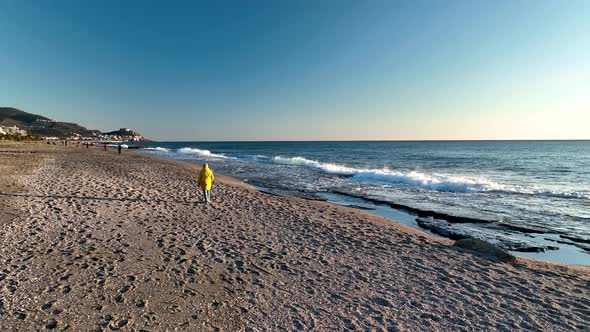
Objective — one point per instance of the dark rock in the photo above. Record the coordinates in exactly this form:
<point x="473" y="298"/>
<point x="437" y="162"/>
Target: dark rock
<point x="522" y="229"/>
<point x="442" y="228"/>
<point x="525" y="247"/>
<point x="580" y="242"/>
<point x="575" y="238"/>
<point x="360" y="207"/>
<point x="421" y="213"/>
<point x="462" y="231"/>
<point x="583" y="246"/>
<point x="486" y="249"/>
<point x="274" y="190"/>
<point x="566" y="242"/>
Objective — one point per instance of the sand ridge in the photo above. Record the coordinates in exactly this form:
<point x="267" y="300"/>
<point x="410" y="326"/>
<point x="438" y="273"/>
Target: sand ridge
<point x="123" y="242"/>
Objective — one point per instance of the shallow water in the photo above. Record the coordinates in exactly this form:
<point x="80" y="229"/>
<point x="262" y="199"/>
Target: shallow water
<point x="539" y="187"/>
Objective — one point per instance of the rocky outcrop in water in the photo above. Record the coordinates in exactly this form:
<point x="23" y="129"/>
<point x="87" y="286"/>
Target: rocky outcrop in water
<point x="486" y="249"/>
<point x="485" y="227"/>
<point x="463" y="231"/>
<point x="422" y="213"/>
<point x="578" y="239"/>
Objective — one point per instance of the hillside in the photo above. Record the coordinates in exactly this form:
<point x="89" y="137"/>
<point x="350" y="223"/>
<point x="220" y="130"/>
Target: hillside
<point x="42" y="126"/>
<point x="13" y="115"/>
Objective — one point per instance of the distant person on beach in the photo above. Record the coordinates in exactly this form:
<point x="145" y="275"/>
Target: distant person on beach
<point x="119" y="148"/>
<point x="205" y="180"/>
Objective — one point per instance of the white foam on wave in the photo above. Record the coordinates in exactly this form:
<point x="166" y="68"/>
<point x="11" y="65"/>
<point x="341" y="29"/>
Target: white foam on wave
<point x="420" y="180"/>
<point x="558" y="193"/>
<point x="434" y="181"/>
<point x="204" y="153"/>
<point x="327" y="167"/>
<point x="158" y="149"/>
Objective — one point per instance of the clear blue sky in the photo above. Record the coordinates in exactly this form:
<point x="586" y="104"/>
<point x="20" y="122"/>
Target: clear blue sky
<point x="301" y="70"/>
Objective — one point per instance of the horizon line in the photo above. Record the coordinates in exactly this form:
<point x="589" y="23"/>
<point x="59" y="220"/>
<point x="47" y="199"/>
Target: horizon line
<point x="385" y="140"/>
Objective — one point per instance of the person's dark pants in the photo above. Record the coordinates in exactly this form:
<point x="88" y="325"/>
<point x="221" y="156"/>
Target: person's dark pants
<point x="207" y="195"/>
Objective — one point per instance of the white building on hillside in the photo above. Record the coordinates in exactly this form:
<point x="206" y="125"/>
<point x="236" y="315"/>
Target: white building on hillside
<point x="14" y="130"/>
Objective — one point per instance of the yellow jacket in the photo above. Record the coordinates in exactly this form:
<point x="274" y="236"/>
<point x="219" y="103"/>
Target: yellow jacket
<point x="206" y="177"/>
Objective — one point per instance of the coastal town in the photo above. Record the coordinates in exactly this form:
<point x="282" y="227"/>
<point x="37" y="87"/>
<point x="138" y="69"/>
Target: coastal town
<point x="14" y="131"/>
<point x="121" y="135"/>
<point x="18" y="125"/>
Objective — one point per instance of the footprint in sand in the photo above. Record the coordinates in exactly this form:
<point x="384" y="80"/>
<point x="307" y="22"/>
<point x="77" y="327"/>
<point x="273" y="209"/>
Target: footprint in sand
<point x="119" y="298"/>
<point x="51" y="325"/>
<point x="47" y="305"/>
<point x="141" y="304"/>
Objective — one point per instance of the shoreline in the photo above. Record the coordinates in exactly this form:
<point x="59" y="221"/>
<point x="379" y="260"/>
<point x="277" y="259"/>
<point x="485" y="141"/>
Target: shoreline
<point x="383" y="220"/>
<point x="533" y="241"/>
<point x="113" y="241"/>
<point x="388" y="222"/>
<point x="370" y="215"/>
<point x="453" y="219"/>
<point x="542" y="249"/>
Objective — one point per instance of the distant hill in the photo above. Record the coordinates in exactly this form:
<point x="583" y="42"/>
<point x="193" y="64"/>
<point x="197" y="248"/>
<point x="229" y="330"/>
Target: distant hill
<point x="41" y="126"/>
<point x="11" y="114"/>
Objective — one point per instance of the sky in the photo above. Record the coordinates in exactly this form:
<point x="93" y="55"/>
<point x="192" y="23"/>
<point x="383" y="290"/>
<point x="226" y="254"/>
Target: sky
<point x="303" y="70"/>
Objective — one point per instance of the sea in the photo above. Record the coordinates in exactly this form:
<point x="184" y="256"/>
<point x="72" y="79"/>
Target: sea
<point x="529" y="197"/>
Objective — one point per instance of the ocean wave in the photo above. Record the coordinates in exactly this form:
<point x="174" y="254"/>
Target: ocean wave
<point x="327" y="167"/>
<point x="204" y="153"/>
<point x="157" y="149"/>
<point x="419" y="180"/>
<point x="562" y="194"/>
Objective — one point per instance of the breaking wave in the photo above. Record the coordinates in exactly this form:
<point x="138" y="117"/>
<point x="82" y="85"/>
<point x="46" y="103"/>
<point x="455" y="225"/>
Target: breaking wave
<point x="327" y="167"/>
<point x="157" y="149"/>
<point x="204" y="153"/>
<point x="435" y="181"/>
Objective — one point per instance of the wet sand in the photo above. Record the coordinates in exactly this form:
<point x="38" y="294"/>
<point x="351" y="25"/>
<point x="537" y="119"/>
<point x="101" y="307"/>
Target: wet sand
<point x="92" y="240"/>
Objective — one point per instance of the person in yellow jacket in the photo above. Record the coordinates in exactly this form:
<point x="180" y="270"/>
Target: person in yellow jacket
<point x="205" y="180"/>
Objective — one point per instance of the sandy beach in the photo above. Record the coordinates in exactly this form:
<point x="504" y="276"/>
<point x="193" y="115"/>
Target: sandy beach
<point x="96" y="241"/>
